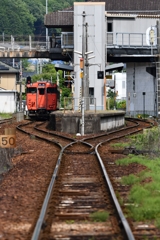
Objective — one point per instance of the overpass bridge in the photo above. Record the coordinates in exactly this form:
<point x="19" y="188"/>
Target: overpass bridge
<point x="120" y="47"/>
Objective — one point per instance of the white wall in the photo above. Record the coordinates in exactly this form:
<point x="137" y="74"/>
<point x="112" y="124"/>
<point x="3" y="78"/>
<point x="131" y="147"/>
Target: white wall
<point x="8" y="102"/>
<point x="95" y="17"/>
<point x="137" y="25"/>
<point x="139" y="81"/>
<point x="120" y="85"/>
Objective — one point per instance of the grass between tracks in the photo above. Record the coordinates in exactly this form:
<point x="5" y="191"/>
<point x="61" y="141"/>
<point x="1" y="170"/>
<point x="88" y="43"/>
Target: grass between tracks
<point x="144" y="197"/>
<point x="5" y="115"/>
<point x="100" y="216"/>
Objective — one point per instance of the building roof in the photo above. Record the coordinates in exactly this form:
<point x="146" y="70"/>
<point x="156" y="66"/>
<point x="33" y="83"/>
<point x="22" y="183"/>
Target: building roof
<point x="4" y="68"/>
<point x="130" y="6"/>
<point x="64" y="67"/>
<point x="141" y="8"/>
<point x="112" y="67"/>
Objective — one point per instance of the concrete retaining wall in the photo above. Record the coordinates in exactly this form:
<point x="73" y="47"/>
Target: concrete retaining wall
<point x="93" y="123"/>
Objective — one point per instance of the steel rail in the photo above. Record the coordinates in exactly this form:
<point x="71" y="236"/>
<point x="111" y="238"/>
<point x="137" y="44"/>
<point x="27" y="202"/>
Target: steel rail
<point x="119" y="210"/>
<point x="41" y="222"/>
<point x="54" y="134"/>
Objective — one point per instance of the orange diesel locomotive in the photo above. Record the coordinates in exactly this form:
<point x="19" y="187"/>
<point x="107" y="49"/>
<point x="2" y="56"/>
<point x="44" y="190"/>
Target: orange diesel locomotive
<point x="42" y="98"/>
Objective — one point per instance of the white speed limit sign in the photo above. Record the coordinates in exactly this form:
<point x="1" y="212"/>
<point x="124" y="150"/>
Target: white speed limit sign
<point x="7" y="141"/>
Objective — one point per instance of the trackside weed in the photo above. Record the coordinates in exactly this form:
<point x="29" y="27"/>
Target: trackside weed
<point x="144" y="197"/>
<point x="100" y="216"/>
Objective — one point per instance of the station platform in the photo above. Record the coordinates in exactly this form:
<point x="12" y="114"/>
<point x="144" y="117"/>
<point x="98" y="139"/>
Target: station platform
<point x="94" y="122"/>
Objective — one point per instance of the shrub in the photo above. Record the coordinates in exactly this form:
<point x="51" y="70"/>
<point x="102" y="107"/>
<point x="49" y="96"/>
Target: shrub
<point x="111" y="103"/>
<point x="121" y="104"/>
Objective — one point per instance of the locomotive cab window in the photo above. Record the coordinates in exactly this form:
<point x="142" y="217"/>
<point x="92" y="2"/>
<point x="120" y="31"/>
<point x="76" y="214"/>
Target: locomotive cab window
<point x="51" y="90"/>
<point x="41" y="91"/>
<point x="31" y="90"/>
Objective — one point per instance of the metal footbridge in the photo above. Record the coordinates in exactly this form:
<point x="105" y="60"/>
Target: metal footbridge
<point x="119" y="47"/>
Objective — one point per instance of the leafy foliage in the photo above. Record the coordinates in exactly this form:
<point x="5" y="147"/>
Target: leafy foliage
<point x="149" y="140"/>
<point x="26" y="17"/>
<point x="111" y="94"/>
<point x="143" y="200"/>
<point x="111" y="100"/>
<point x="110" y="103"/>
<point x="16" y="18"/>
<point x="121" y="104"/>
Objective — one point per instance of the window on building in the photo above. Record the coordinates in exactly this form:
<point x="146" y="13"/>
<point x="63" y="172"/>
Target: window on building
<point x="91" y="95"/>
<point x="109" y="27"/>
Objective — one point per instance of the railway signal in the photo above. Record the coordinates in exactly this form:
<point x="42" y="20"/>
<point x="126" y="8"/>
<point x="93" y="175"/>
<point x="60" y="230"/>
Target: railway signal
<point x="28" y="80"/>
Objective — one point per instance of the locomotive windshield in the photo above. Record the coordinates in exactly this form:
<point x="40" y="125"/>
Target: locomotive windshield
<point x="31" y="90"/>
<point x="51" y="90"/>
<point x="41" y="91"/>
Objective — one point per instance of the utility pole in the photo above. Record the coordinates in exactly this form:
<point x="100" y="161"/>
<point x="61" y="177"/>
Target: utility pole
<point x="20" y="90"/>
<point x="46" y="28"/>
<point x="86" y="94"/>
<point x="158" y="67"/>
<point x="83" y="75"/>
<point x="84" y="66"/>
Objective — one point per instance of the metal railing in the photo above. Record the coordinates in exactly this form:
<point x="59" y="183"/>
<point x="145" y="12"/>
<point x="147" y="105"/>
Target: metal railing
<point x="66" y="40"/>
<point x="24" y="43"/>
<point x="75" y="104"/>
<point x="122" y="39"/>
<point x="114" y="39"/>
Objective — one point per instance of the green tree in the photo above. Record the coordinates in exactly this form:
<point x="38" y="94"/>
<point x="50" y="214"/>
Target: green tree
<point x="111" y="94"/>
<point x="25" y="63"/>
<point x="37" y="9"/>
<point x="111" y="101"/>
<point x="121" y="104"/>
<point x="26" y="17"/>
<point x="16" y="19"/>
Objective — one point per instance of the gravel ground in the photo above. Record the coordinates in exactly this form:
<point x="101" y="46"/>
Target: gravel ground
<point x="24" y="184"/>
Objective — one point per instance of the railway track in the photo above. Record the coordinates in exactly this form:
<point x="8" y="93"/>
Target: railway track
<point x="78" y="188"/>
<point x="8" y="120"/>
<point x="37" y="130"/>
<point x="80" y="191"/>
<point x="133" y="126"/>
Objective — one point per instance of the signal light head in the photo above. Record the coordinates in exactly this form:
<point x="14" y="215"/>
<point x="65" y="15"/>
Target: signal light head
<point x="28" y="80"/>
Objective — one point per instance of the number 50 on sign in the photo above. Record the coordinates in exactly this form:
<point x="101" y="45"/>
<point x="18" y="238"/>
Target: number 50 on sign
<point x="7" y="141"/>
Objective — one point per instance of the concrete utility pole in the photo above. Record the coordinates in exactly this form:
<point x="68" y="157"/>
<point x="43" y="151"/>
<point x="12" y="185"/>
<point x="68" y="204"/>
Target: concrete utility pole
<point x="86" y="93"/>
<point x="84" y="66"/>
<point x="46" y="28"/>
<point x="83" y="75"/>
<point x="20" y="84"/>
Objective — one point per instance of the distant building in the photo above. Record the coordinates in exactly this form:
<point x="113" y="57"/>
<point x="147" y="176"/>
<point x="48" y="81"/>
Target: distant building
<point x="125" y="32"/>
<point x="120" y="85"/>
<point x="9" y="88"/>
<point x="8" y="101"/>
<point x="9" y="78"/>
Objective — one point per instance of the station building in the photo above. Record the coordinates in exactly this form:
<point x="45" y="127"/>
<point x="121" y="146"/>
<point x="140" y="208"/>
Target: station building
<point x="104" y="33"/>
